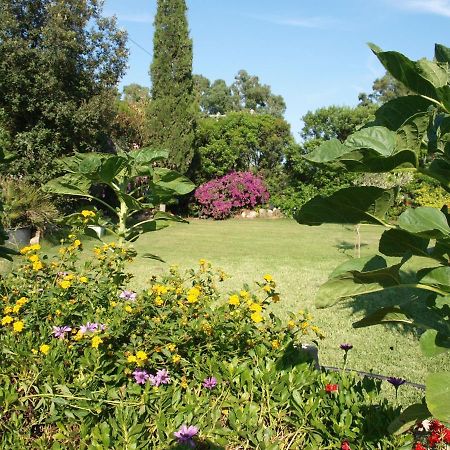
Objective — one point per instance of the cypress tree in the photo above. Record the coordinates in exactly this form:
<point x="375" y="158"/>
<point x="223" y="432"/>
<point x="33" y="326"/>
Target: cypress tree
<point x="173" y="107"/>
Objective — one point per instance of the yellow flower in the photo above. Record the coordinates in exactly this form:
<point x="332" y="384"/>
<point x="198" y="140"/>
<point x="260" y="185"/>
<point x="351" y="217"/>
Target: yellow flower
<point x="44" y="348"/>
<point x="257" y="317"/>
<point x="202" y="262"/>
<point x="76" y="243"/>
<point x="16" y="308"/>
<point x="34" y="351"/>
<point x="268" y="278"/>
<point x="256" y="307"/>
<point x="113" y="303"/>
<point x="78" y="336"/>
<point x="69" y="277"/>
<point x="305" y="325"/>
<point x="128" y="309"/>
<point x="234" y="300"/>
<point x="156" y="319"/>
<point x="87" y="213"/>
<point x="291" y="324"/>
<point x="96" y="341"/>
<point x="22" y="301"/>
<point x="35" y="247"/>
<point x="18" y="326"/>
<point x="37" y="265"/>
<point x="244" y="294"/>
<point x="193" y="295"/>
<point x="275" y="344"/>
<point x="176" y="358"/>
<point x="132" y="359"/>
<point x="65" y="284"/>
<point x="83" y="279"/>
<point x="6" y="320"/>
<point x="24" y="250"/>
<point x="171" y="347"/>
<point x="33" y="258"/>
<point x="184" y="383"/>
<point x="158" y="301"/>
<point x="141" y="355"/>
<point x="8" y="310"/>
<point x="268" y="288"/>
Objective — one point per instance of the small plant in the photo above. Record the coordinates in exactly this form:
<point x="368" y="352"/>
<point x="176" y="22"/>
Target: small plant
<point x="221" y="197"/>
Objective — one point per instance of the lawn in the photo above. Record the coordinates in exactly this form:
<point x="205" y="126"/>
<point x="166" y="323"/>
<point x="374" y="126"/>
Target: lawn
<point x="299" y="258"/>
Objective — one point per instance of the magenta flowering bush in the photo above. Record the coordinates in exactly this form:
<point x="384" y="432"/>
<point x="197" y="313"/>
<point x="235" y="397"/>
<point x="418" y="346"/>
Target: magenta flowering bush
<point x="221" y="197"/>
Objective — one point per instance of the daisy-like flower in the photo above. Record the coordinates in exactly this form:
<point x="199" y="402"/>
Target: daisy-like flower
<point x="210" y="383"/>
<point x="60" y="332"/>
<point x="185" y="435"/>
<point x="346" y="347"/>
<point x="396" y="382"/>
<point x="128" y="295"/>
<point x="141" y="376"/>
<point x="161" y="377"/>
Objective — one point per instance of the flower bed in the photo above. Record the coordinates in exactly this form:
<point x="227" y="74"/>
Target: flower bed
<point x="87" y="362"/>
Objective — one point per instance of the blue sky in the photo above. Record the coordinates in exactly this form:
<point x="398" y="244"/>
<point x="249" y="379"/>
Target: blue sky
<point x="313" y="53"/>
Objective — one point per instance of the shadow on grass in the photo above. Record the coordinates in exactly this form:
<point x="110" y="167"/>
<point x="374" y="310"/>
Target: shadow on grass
<point x="345" y="246"/>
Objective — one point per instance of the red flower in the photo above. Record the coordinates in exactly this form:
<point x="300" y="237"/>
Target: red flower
<point x="419" y="446"/>
<point x="345" y="445"/>
<point x="331" y="388"/>
<point x="446" y="435"/>
<point x="436" y="425"/>
<point x="433" y="439"/>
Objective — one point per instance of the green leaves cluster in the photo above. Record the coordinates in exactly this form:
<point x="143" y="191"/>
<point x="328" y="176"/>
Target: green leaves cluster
<point x="136" y="182"/>
<point x="408" y="133"/>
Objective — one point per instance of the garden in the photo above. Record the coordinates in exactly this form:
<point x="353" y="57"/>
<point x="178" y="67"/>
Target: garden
<point x="177" y="272"/>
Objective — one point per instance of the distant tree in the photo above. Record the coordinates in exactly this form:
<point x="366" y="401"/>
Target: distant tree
<point x="59" y="64"/>
<point x="135" y="93"/>
<point x="173" y="108"/>
<point x="249" y="93"/>
<point x="217" y="99"/>
<point x="383" y="89"/>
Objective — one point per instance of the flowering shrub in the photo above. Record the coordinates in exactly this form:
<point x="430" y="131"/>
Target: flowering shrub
<point x="89" y="362"/>
<point x="220" y="197"/>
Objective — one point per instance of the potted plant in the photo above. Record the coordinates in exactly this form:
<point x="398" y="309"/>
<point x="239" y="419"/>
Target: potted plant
<point x="25" y="208"/>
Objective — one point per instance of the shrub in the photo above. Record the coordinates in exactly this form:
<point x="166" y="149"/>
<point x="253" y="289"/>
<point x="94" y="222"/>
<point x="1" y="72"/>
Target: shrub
<point x="221" y="197"/>
<point x="110" y="367"/>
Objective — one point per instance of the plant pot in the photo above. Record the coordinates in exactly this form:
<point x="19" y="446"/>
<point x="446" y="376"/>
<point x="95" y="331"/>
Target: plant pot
<point x="19" y="237"/>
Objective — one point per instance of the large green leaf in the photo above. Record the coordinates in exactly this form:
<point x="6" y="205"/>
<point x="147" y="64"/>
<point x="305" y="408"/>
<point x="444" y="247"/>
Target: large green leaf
<point x="149" y="155"/>
<point x="442" y="53"/>
<point x="413" y="133"/>
<point x="379" y="139"/>
<point x="365" y="264"/>
<point x="433" y="343"/>
<point x="170" y="179"/>
<point x="420" y="77"/>
<point x="396" y="112"/>
<point x="437" y="395"/>
<point x="390" y="314"/>
<point x="425" y="222"/>
<point x="69" y="184"/>
<point x="435" y="276"/>
<point x="132" y="203"/>
<point x="439" y="169"/>
<point x="409" y="417"/>
<point x="329" y="151"/>
<point x="351" y="205"/>
<point x="397" y="242"/>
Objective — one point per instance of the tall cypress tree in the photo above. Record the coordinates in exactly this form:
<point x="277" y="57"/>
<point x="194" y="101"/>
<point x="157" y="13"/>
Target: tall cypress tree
<point x="173" y="107"/>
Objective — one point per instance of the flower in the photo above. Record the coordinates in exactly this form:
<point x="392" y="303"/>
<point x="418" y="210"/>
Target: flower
<point x="141" y="376"/>
<point x="210" y="383"/>
<point x="433" y="439"/>
<point x="18" y="326"/>
<point x="44" y="348"/>
<point x="60" y="332"/>
<point x="345" y="445"/>
<point x="86" y="213"/>
<point x="141" y="355"/>
<point x="65" y="284"/>
<point x="161" y="377"/>
<point x="176" y="358"/>
<point x="257" y="317"/>
<point x="268" y="278"/>
<point x="96" y="341"/>
<point x="171" y="347"/>
<point x="346" y="347"/>
<point x="131" y="359"/>
<point x="419" y="446"/>
<point x="128" y="309"/>
<point x="329" y="388"/>
<point x="83" y="279"/>
<point x="396" y="382"/>
<point x="128" y="295"/>
<point x="234" y="300"/>
<point x="6" y="320"/>
<point x="193" y="294"/>
<point x="185" y="434"/>
<point x="275" y="344"/>
<point x="256" y="307"/>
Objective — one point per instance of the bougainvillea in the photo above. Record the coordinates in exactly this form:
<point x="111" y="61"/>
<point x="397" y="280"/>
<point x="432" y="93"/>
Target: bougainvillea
<point x="221" y="197"/>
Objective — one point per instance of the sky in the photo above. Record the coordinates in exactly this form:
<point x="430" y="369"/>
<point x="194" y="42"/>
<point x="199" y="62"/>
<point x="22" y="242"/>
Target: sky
<point x="313" y="53"/>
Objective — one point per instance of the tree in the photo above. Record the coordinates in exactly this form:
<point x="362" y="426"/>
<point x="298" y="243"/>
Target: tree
<point x="172" y="112"/>
<point x="384" y="89"/>
<point x="249" y="93"/>
<point x="135" y="93"/>
<point x="59" y="64"/>
<point x="217" y="98"/>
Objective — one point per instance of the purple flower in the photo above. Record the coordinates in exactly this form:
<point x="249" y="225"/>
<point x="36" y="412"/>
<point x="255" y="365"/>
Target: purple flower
<point x="396" y="382"/>
<point x="185" y="434"/>
<point x="89" y="327"/>
<point x="60" y="332"/>
<point x="210" y="383"/>
<point x="346" y="347"/>
<point x="141" y="376"/>
<point x="161" y="377"/>
<point x="128" y="295"/>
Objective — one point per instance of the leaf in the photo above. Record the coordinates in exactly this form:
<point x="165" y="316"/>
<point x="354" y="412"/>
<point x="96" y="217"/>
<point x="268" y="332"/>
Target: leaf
<point x="6" y="252"/>
<point x="329" y="151"/>
<point x="439" y="169"/>
<point x="150" y="256"/>
<point x="391" y="314"/>
<point x="170" y="179"/>
<point x="379" y="139"/>
<point x="433" y="343"/>
<point x="424" y="221"/>
<point x="442" y="53"/>
<point x="161" y="215"/>
<point x="69" y="184"/>
<point x="397" y="242"/>
<point x="148" y="155"/>
<point x="132" y="203"/>
<point x="413" y="132"/>
<point x="351" y="205"/>
<point x="435" y="276"/>
<point x="411" y="415"/>
<point x="366" y="264"/>
<point x="437" y="395"/>
<point x="396" y="112"/>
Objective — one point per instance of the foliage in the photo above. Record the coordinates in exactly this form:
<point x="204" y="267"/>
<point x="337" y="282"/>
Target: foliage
<point x="60" y="62"/>
<point x="110" y="367"/>
<point x="411" y="132"/>
<point x="221" y="197"/>
<point x="384" y="89"/>
<point x="24" y="205"/>
<point x="173" y="109"/>
<point x="136" y="184"/>
<point x="240" y="142"/>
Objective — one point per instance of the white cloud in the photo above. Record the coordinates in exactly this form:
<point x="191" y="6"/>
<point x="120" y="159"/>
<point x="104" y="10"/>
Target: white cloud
<point x="304" y="22"/>
<point x="439" y="7"/>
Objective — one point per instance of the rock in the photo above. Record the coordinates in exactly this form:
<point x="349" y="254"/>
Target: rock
<point x="252" y="215"/>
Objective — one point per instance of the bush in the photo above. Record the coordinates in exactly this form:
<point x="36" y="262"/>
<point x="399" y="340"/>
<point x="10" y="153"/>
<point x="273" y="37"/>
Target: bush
<point x="110" y="367"/>
<point x="221" y="197"/>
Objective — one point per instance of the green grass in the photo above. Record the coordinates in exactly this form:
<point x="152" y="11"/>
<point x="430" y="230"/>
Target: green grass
<point x="299" y="258"/>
